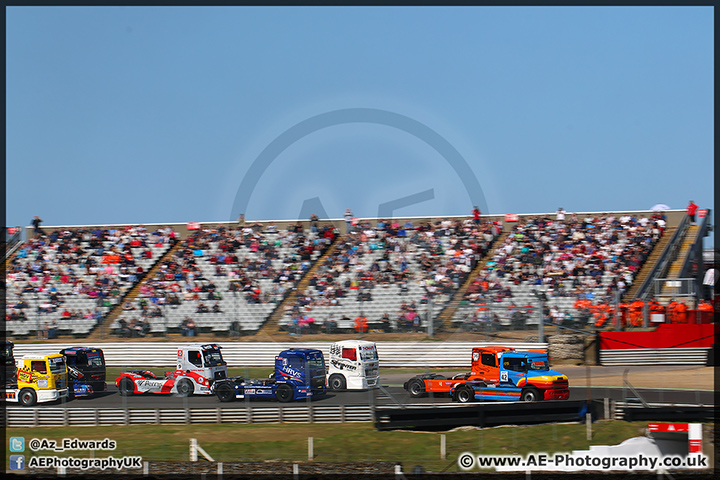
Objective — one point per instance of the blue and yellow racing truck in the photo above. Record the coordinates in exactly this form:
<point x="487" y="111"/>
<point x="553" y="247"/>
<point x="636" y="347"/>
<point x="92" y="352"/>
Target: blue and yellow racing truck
<point x="511" y="375"/>
<point x="299" y="374"/>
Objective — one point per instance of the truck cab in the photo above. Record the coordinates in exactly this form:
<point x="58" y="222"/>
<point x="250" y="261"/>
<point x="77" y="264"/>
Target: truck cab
<point x="205" y="360"/>
<point x="198" y="367"/>
<point x="304" y="367"/>
<point x="299" y="374"/>
<point x="39" y="379"/>
<point x="353" y="365"/>
<point x="512" y="375"/>
<point x="9" y="369"/>
<point x="86" y="370"/>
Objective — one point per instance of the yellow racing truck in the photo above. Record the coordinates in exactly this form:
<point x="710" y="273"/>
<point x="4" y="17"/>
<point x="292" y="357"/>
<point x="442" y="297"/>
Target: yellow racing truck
<point x="39" y="379"/>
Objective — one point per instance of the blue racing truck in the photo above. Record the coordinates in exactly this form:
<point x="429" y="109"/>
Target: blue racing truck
<point x="299" y="374"/>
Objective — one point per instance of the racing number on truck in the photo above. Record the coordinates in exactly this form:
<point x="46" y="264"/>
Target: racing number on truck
<point x="504" y="376"/>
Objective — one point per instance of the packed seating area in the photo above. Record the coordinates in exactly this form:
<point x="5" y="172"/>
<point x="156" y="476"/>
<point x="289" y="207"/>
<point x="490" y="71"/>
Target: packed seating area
<point x="385" y="276"/>
<point x="66" y="281"/>
<point x="390" y="277"/>
<point x="224" y="279"/>
<point x="549" y="264"/>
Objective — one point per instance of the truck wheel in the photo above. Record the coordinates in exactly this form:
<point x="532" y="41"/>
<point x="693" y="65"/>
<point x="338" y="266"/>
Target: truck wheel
<point x="27" y="397"/>
<point x="464" y="394"/>
<point x="225" y="392"/>
<point x="416" y="387"/>
<point x="284" y="393"/>
<point x="530" y="395"/>
<point x="126" y="387"/>
<point x="337" y="382"/>
<point x="185" y="388"/>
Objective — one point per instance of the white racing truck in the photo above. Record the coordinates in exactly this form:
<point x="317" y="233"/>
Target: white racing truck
<point x="198" y="367"/>
<point x="353" y="365"/>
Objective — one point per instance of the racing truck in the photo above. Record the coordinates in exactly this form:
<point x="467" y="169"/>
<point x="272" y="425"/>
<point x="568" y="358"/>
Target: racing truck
<point x="198" y="367"/>
<point x="353" y="365"/>
<point x="299" y="374"/>
<point x="9" y="370"/>
<point x="86" y="371"/>
<point x="39" y="379"/>
<point x="498" y="373"/>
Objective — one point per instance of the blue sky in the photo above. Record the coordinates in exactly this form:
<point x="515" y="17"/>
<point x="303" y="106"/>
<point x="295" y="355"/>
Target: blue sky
<point x="147" y="115"/>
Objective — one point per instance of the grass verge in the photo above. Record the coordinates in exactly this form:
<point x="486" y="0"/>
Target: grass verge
<point x="348" y="442"/>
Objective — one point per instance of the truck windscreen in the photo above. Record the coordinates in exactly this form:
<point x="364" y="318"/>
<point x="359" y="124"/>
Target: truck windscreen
<point x="538" y="364"/>
<point x="368" y="353"/>
<point x="8" y="355"/>
<point x="213" y="358"/>
<point x="95" y="359"/>
<point x="315" y="363"/>
<point x="57" y="365"/>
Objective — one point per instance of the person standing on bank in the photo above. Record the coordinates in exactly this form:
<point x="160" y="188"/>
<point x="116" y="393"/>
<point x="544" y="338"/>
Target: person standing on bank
<point x="476" y="215"/>
<point x="348" y="220"/>
<point x="36" y="221"/>
<point x="691" y="211"/>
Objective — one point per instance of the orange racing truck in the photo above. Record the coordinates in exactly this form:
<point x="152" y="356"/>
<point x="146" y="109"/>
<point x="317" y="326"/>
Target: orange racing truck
<point x="498" y="373"/>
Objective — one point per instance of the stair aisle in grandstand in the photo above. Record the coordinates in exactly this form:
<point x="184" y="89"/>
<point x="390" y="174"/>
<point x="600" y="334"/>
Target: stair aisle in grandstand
<point x="104" y="328"/>
<point x="448" y="312"/>
<point x="676" y="267"/>
<point x="649" y="265"/>
<point x="271" y="325"/>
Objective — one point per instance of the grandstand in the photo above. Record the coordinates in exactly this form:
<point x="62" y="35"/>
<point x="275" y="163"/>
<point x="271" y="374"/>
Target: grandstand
<point x="402" y="275"/>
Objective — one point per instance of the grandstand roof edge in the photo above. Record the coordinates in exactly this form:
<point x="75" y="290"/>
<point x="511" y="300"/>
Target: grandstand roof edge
<point x="340" y="219"/>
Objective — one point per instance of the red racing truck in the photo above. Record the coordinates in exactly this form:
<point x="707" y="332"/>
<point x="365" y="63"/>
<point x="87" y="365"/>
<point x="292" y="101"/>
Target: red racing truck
<point x="198" y="367"/>
<point x="498" y="373"/>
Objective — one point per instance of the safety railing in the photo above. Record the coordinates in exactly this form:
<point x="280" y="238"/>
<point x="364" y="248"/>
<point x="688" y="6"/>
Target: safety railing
<point x="667" y="257"/>
<point x="655" y="356"/>
<point x="47" y="417"/>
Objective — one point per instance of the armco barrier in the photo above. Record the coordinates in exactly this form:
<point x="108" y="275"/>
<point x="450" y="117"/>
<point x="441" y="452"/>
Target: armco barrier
<point x="482" y="414"/>
<point x="669" y="413"/>
<point x="45" y="417"/>
<point x="655" y="356"/>
<point x="262" y="354"/>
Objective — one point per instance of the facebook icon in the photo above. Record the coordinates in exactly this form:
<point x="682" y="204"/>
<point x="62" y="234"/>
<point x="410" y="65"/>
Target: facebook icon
<point x="17" y="462"/>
